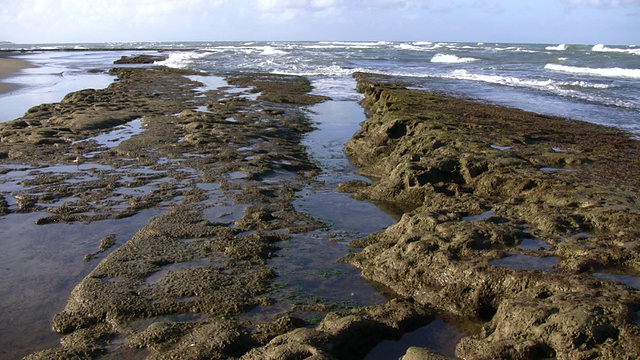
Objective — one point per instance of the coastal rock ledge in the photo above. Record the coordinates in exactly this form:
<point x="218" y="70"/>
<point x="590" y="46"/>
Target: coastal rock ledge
<point x="515" y="219"/>
<point x="520" y="226"/>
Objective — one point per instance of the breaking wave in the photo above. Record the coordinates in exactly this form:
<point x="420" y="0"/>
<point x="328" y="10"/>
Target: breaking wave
<point x="561" y="47"/>
<point x="451" y="59"/>
<point x="606" y="72"/>
<point x="530" y="83"/>
<point x="603" y="48"/>
<point x="180" y="60"/>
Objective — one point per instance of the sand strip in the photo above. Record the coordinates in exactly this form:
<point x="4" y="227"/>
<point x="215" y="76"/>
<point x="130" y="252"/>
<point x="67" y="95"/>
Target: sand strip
<point x="10" y="67"/>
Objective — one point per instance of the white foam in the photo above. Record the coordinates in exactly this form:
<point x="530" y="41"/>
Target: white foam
<point x="606" y="72"/>
<point x="352" y="44"/>
<point x="180" y="60"/>
<point x="572" y="89"/>
<point x="411" y="47"/>
<point x="548" y="84"/>
<point x="451" y="59"/>
<point x="270" y="50"/>
<point x="561" y="47"/>
<point x="331" y="70"/>
<point x="603" y="48"/>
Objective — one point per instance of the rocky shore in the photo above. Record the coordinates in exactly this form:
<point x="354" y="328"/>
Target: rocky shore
<point x="512" y="220"/>
<point x="222" y="165"/>
<point x="516" y="219"/>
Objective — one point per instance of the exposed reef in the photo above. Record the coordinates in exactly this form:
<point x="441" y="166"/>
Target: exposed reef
<point x="514" y="220"/>
<point x="482" y="181"/>
<point x="222" y="166"/>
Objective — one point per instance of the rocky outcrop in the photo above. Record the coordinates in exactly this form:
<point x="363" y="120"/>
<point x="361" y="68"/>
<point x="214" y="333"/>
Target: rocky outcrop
<point x="508" y="216"/>
<point x="140" y="59"/>
<point x="221" y="169"/>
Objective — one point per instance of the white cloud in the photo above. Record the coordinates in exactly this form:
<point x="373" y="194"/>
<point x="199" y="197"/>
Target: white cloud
<point x="312" y="5"/>
<point x="102" y="11"/>
<point x="83" y="20"/>
<point x="604" y="3"/>
<point x="286" y="10"/>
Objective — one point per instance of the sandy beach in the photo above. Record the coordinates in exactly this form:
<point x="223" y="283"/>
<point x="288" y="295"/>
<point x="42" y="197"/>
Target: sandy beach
<point x="9" y="67"/>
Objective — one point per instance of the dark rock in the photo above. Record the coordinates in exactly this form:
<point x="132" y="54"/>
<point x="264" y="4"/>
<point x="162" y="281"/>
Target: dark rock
<point x="140" y="59"/>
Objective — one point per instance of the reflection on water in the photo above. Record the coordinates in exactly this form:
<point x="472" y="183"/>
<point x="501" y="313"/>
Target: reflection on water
<point x="308" y="267"/>
<point x="40" y="267"/>
<point x="119" y="134"/>
<point x="484" y="216"/>
<point x="533" y="244"/>
<point x="632" y="281"/>
<point x="438" y="336"/>
<point x="46" y="88"/>
<point x="526" y="262"/>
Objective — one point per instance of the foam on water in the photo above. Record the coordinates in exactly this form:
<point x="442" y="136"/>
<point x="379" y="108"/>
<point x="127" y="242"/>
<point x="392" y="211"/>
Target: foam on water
<point x="270" y="50"/>
<point x="451" y="59"/>
<point x="615" y="72"/>
<point x="593" y="83"/>
<point x="209" y="82"/>
<point x="603" y="48"/>
<point x="331" y="70"/>
<point x="412" y="47"/>
<point x="181" y="60"/>
<point x="561" y="47"/>
<point x="356" y="44"/>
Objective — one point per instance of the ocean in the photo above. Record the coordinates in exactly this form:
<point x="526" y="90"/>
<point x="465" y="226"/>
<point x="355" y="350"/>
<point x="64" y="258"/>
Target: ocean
<point x="596" y="83"/>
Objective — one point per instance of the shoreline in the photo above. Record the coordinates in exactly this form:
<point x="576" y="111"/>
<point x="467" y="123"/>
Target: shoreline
<point x="474" y="181"/>
<point x="10" y="66"/>
<point x="516" y="216"/>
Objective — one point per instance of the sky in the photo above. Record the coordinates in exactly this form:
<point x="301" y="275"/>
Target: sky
<point x="611" y="22"/>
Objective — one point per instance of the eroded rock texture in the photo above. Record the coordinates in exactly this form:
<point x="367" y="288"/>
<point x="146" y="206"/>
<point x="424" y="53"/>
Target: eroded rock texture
<point x="508" y="215"/>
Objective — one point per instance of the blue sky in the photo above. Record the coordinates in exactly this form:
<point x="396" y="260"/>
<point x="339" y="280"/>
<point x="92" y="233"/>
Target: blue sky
<point x="610" y="22"/>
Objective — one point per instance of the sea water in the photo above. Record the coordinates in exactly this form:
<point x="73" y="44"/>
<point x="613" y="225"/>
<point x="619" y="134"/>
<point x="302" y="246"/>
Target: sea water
<point x="597" y="83"/>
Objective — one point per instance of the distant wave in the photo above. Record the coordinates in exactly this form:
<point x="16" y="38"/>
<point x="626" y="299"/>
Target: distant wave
<point x="572" y="89"/>
<point x="530" y="83"/>
<point x="413" y="47"/>
<point x="561" y="47"/>
<point x="331" y="70"/>
<point x="451" y="59"/>
<point x="351" y="44"/>
<point x="602" y="48"/>
<point x="270" y="50"/>
<point x="180" y="60"/>
<point x="513" y="48"/>
<point x="606" y="72"/>
<point x="462" y="74"/>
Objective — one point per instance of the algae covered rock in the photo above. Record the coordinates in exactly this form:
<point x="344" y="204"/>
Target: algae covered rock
<point x="481" y="181"/>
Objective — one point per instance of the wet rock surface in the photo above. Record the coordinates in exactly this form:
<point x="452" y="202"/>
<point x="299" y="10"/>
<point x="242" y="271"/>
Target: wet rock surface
<point x="477" y="181"/>
<point x="140" y="59"/>
<point x="482" y="189"/>
<point x="223" y="167"/>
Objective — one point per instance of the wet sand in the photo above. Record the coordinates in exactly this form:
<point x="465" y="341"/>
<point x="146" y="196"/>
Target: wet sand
<point x="9" y="67"/>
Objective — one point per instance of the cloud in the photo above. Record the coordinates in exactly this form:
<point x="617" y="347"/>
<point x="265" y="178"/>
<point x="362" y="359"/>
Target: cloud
<point x="315" y="5"/>
<point x="96" y="12"/>
<point x="603" y="3"/>
<point x="287" y="10"/>
<point x="99" y="20"/>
